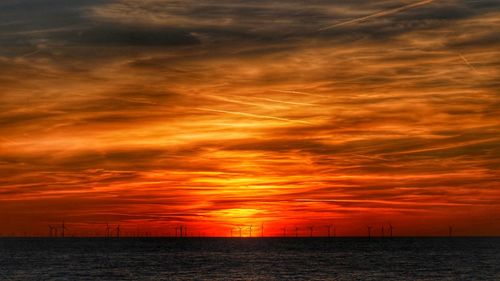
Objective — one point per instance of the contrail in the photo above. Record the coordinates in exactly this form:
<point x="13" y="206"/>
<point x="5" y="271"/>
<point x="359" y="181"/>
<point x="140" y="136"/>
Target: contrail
<point x="9" y="140"/>
<point x="467" y="62"/>
<point x="466" y="143"/>
<point x="136" y="100"/>
<point x="257" y="98"/>
<point x="254" y="115"/>
<point x="379" y="14"/>
<point x="298" y="92"/>
<point x="382" y="202"/>
<point x="29" y="54"/>
<point x="285" y="102"/>
<point x="233" y="101"/>
<point x="371" y="157"/>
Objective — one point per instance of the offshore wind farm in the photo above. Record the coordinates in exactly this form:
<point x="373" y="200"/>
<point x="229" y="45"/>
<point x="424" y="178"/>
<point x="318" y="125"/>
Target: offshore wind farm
<point x="249" y="140"/>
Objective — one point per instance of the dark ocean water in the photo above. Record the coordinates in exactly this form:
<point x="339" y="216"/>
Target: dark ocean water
<point x="250" y="259"/>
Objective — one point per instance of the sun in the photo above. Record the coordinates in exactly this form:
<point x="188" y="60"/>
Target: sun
<point x="237" y="216"/>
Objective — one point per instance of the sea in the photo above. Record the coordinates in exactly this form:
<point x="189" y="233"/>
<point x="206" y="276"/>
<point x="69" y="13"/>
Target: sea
<point x="399" y="259"/>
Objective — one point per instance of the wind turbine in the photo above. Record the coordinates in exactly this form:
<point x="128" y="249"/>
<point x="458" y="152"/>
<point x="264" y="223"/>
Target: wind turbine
<point x="284" y="231"/>
<point x="296" y="231"/>
<point x="390" y="229"/>
<point x="51" y="231"/>
<point x="240" y="227"/>
<point x="63" y="227"/>
<point x="369" y="230"/>
<point x="311" y="231"/>
<point x="329" y="229"/>
<point x="250" y="227"/>
<point x="262" y="230"/>
<point x="118" y="231"/>
<point x="107" y="230"/>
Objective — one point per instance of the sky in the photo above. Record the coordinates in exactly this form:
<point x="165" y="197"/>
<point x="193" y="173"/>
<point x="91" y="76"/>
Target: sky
<point x="218" y="114"/>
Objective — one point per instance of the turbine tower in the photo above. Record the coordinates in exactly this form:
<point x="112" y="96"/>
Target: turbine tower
<point x="250" y="234"/>
<point x="108" y="230"/>
<point x="63" y="227"/>
<point x="390" y="229"/>
<point x="369" y="228"/>
<point x="51" y="230"/>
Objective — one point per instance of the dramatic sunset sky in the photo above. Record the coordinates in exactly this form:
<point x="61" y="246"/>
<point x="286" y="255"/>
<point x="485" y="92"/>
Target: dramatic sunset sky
<point x="220" y="113"/>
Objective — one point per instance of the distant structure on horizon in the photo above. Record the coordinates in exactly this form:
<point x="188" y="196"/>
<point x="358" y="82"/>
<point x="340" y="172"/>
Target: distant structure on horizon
<point x="61" y="230"/>
<point x="329" y="229"/>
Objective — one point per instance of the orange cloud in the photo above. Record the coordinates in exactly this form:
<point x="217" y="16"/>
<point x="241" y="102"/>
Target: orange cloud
<point x="152" y="114"/>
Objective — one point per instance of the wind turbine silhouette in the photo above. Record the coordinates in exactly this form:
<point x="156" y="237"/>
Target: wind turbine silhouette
<point x="390" y="229"/>
<point x="284" y="231"/>
<point x="250" y="227"/>
<point x="240" y="227"/>
<point x="107" y="230"/>
<point x="63" y="227"/>
<point x="329" y="229"/>
<point x="51" y="230"/>
<point x="296" y="231"/>
<point x="118" y="231"/>
<point x="311" y="231"/>
<point x="261" y="230"/>
<point x="369" y="230"/>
